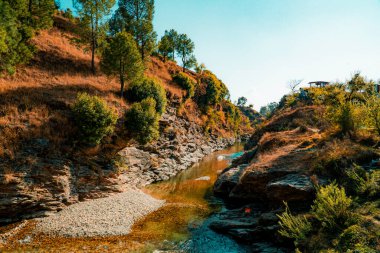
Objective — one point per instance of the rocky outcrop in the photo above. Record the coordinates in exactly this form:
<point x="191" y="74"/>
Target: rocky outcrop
<point x="182" y="145"/>
<point x="41" y="186"/>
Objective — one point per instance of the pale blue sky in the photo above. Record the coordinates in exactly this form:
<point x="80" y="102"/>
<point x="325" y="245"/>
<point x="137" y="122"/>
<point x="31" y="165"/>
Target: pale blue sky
<point x="257" y="46"/>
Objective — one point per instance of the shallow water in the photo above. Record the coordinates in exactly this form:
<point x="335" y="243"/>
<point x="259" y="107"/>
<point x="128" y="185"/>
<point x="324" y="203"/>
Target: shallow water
<point x="180" y="226"/>
<point x="190" y="208"/>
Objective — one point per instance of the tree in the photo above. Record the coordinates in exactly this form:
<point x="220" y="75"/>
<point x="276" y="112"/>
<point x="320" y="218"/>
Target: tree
<point x="172" y="36"/>
<point x="91" y="13"/>
<point x="293" y="84"/>
<point x="164" y="47"/>
<point x="242" y="101"/>
<point x="136" y="17"/>
<point x="19" y="19"/>
<point x="185" y="49"/>
<point x="121" y="57"/>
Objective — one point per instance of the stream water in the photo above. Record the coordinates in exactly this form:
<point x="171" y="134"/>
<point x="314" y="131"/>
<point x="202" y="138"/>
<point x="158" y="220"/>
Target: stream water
<point x="191" y="206"/>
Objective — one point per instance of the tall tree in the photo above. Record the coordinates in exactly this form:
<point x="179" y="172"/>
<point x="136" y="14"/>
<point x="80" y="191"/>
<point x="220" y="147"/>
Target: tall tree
<point x="168" y="44"/>
<point x="91" y="13"/>
<point x="19" y="19"/>
<point x="121" y="57"/>
<point x="136" y="17"/>
<point x="185" y="48"/>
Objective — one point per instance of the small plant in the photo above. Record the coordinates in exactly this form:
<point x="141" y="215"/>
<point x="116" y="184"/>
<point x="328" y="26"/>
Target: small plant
<point x="139" y="91"/>
<point x="332" y="207"/>
<point x="142" y="121"/>
<point x="295" y="227"/>
<point x="363" y="183"/>
<point x="352" y="237"/>
<point x="93" y="118"/>
<point x="186" y="83"/>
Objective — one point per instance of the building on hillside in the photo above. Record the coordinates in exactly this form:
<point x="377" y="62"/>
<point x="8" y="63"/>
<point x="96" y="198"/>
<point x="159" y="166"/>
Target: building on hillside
<point x="318" y="84"/>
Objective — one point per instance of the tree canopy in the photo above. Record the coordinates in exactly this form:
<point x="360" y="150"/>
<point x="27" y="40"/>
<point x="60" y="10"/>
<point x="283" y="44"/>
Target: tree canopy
<point x="185" y="49"/>
<point x="121" y="58"/>
<point x="91" y="13"/>
<point x="136" y="17"/>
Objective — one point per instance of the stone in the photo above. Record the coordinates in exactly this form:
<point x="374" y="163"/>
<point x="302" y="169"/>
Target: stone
<point x="228" y="180"/>
<point x="293" y="187"/>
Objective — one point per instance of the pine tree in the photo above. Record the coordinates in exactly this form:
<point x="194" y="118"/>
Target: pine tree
<point x="91" y="13"/>
<point x="122" y="58"/>
<point x="136" y="17"/>
<point x="185" y="49"/>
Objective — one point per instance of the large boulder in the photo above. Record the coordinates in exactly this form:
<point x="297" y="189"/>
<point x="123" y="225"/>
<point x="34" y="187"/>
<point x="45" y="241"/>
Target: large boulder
<point x="292" y="187"/>
<point x="228" y="180"/>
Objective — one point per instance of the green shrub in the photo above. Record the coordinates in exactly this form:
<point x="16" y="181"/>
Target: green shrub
<point x="352" y="237"/>
<point x="148" y="88"/>
<point x="332" y="207"/>
<point x="295" y="227"/>
<point x="93" y="118"/>
<point x="186" y="83"/>
<point x="363" y="183"/>
<point x="142" y="121"/>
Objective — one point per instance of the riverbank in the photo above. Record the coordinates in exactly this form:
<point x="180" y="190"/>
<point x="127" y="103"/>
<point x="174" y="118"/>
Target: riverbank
<point x="176" y="224"/>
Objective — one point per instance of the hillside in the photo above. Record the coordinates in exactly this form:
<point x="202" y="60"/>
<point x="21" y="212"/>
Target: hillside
<point x="289" y="159"/>
<point x="45" y="167"/>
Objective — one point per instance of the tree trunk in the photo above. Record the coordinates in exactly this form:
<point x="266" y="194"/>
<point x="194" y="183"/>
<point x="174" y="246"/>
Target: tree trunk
<point x="93" y="56"/>
<point x="121" y="86"/>
<point x="121" y="69"/>
<point x="93" y="45"/>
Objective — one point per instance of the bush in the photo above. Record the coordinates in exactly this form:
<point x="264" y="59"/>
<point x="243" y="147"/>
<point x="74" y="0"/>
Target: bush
<point x="142" y="121"/>
<point x="295" y="227"/>
<point x="363" y="183"/>
<point x="332" y="207"/>
<point x="186" y="83"/>
<point x="352" y="237"/>
<point x="93" y="118"/>
<point x="148" y="88"/>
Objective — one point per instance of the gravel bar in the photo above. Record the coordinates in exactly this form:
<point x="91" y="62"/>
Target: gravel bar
<point x="114" y="215"/>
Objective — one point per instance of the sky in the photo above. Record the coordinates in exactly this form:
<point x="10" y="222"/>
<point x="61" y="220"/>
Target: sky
<point x="257" y="46"/>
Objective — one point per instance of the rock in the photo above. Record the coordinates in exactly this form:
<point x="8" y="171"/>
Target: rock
<point x="293" y="187"/>
<point x="228" y="180"/>
<point x="205" y="178"/>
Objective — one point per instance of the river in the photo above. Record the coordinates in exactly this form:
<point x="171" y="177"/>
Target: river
<point x="182" y="224"/>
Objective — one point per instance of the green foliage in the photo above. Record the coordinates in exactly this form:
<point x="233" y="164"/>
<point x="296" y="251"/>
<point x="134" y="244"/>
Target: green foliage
<point x="295" y="227"/>
<point x="139" y="91"/>
<point x="93" y="32"/>
<point x="68" y="14"/>
<point x="136" y="18"/>
<point x="354" y="238"/>
<point x="361" y="182"/>
<point x="332" y="207"/>
<point x="19" y="19"/>
<point x="185" y="49"/>
<point x="269" y="109"/>
<point x="233" y="116"/>
<point x="93" y="118"/>
<point x="142" y="121"/>
<point x="185" y="82"/>
<point x="372" y="109"/>
<point x="121" y="57"/>
<point x="215" y="90"/>
<point x="242" y="101"/>
<point x="168" y="44"/>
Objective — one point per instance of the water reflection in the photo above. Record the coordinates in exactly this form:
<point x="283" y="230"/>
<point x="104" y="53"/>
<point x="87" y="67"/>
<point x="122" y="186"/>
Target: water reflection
<point x="184" y="223"/>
